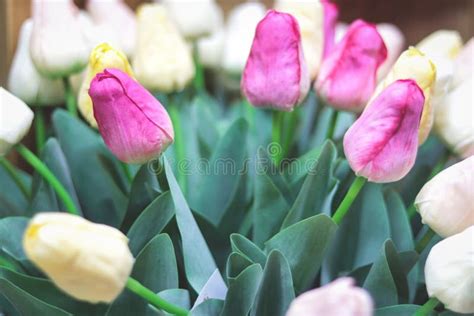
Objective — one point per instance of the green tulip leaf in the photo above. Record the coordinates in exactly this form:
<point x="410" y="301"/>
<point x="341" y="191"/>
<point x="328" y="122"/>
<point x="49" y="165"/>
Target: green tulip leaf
<point x="12" y="200"/>
<point x="399" y="310"/>
<point x="245" y="247"/>
<point x="210" y="307"/>
<point x="236" y="263"/>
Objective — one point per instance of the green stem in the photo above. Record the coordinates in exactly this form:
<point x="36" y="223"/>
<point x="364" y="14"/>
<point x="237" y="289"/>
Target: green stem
<point x="15" y="176"/>
<point x="289" y="123"/>
<point x="40" y="130"/>
<point x="70" y="98"/>
<point x="346" y="203"/>
<point x="332" y="124"/>
<point x="145" y="293"/>
<point x="277" y="120"/>
<point x="199" y="82"/>
<point x="127" y="172"/>
<point x="428" y="307"/>
<point x="178" y="143"/>
<point x="425" y="240"/>
<point x="44" y="171"/>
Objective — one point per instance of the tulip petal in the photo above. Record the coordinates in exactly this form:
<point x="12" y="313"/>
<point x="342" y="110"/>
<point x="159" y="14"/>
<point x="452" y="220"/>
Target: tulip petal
<point x="382" y="144"/>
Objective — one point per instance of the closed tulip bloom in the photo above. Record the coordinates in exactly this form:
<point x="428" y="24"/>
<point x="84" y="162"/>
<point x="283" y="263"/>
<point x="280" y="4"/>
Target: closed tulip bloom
<point x="395" y="42"/>
<point x="196" y="18"/>
<point x="331" y="14"/>
<point x="463" y="64"/>
<point x="116" y="21"/>
<point x="210" y="49"/>
<point x="454" y="119"/>
<point x="39" y="90"/>
<point x="103" y="56"/>
<point x="240" y="31"/>
<point x="163" y="61"/>
<point x="134" y="124"/>
<point x="338" y="298"/>
<point x="442" y="43"/>
<point x="15" y="120"/>
<point x="275" y="74"/>
<point x="445" y="202"/>
<point x="90" y="262"/>
<point x="413" y="64"/>
<point x="382" y="144"/>
<point x="310" y="17"/>
<point x="449" y="272"/>
<point x="57" y="48"/>
<point x="347" y="77"/>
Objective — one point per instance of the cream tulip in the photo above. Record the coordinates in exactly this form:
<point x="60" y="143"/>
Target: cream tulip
<point x="413" y="64"/>
<point x="449" y="272"/>
<point x="88" y="261"/>
<point x="103" y="56"/>
<point x="163" y="61"/>
<point x="395" y="42"/>
<point x="15" y="120"/>
<point x="445" y="202"/>
<point x="240" y="30"/>
<point x="196" y="18"/>
<point x="58" y="48"/>
<point x="39" y="90"/>
<point x="310" y="17"/>
<point x="463" y="64"/>
<point x="210" y="49"/>
<point x="116" y="21"/>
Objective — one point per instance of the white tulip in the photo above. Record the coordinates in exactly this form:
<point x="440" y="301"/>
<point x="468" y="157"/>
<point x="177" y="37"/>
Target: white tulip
<point x="240" y="30"/>
<point x="464" y="64"/>
<point x="449" y="272"/>
<point x="15" y="120"/>
<point x="163" y="61"/>
<point x="194" y="18"/>
<point x="58" y="47"/>
<point x="39" y="90"/>
<point x="116" y="21"/>
<point x="445" y="202"/>
<point x="395" y="42"/>
<point x="90" y="262"/>
<point x="210" y="49"/>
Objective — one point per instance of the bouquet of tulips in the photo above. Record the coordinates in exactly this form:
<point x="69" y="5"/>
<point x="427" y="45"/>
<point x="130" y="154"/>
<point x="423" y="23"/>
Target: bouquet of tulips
<point x="336" y="179"/>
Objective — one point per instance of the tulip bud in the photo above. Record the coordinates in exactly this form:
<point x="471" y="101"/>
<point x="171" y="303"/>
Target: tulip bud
<point x="341" y="29"/>
<point x="445" y="202"/>
<point x="15" y="120"/>
<point x="194" y="18"/>
<point x="454" y="122"/>
<point x="310" y="17"/>
<point x="240" y="30"/>
<point x="337" y="298"/>
<point x="348" y="74"/>
<point x="117" y="22"/>
<point x="39" y="90"/>
<point x="162" y="61"/>
<point x="395" y="42"/>
<point x="463" y="64"/>
<point x="331" y="14"/>
<point x="103" y="56"/>
<point x="412" y="64"/>
<point x="449" y="272"/>
<point x="90" y="262"/>
<point x="210" y="49"/>
<point x="58" y="48"/>
<point x="275" y="74"/>
<point x="134" y="124"/>
<point x="382" y="144"/>
<point x="442" y="43"/>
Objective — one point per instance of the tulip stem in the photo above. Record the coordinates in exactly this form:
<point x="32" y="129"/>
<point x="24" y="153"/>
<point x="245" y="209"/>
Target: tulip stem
<point x="346" y="203"/>
<point x="425" y="240"/>
<point x="44" y="171"/>
<point x="70" y="98"/>
<point x="137" y="288"/>
<point x="15" y="176"/>
<point x="40" y="131"/>
<point x="199" y="82"/>
<point x="276" y="150"/>
<point x="428" y="307"/>
<point x="179" y="148"/>
<point x="332" y="124"/>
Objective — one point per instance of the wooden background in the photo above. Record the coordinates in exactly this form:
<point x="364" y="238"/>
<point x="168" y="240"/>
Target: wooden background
<point x="416" y="18"/>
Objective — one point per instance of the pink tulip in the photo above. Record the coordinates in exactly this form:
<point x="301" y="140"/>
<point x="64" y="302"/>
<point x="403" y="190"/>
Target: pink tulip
<point x="275" y="75"/>
<point x="331" y="14"/>
<point x="338" y="298"/>
<point x="382" y="144"/>
<point x="134" y="125"/>
<point x="348" y="74"/>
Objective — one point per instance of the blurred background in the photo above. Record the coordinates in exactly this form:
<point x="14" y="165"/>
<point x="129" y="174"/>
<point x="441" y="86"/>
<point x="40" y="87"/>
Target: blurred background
<point x="416" y="18"/>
